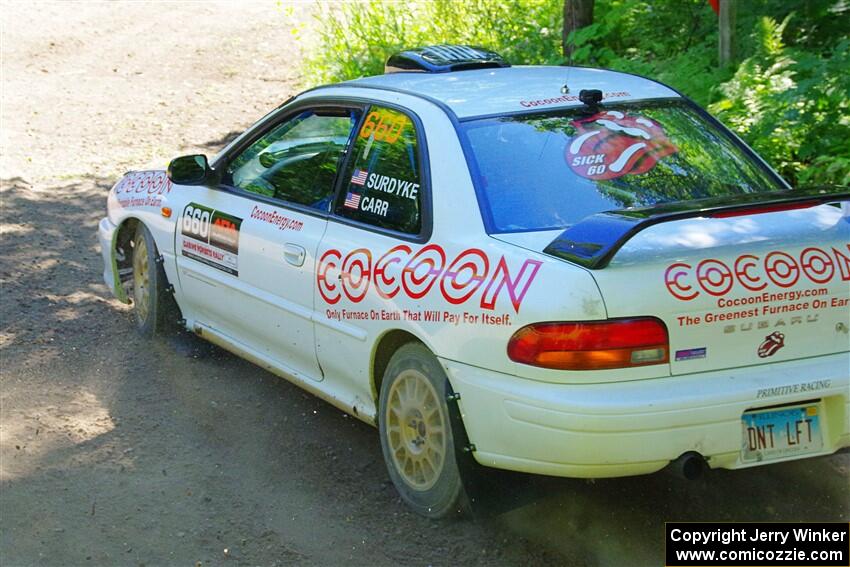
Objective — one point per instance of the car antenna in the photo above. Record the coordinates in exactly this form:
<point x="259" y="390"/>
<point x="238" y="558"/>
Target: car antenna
<point x="566" y="88"/>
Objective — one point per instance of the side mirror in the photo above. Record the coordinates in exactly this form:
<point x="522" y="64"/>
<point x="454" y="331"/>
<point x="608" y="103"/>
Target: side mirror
<point x="266" y="159"/>
<point x="189" y="170"/>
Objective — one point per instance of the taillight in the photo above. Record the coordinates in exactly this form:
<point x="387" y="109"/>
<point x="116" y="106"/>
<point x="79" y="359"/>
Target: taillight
<point x="757" y="209"/>
<point x="591" y="345"/>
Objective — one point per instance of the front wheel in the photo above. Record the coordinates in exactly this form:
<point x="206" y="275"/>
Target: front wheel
<point x="416" y="433"/>
<point x="153" y="305"/>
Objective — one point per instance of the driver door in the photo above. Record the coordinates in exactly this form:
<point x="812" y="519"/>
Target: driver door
<point x="246" y="249"/>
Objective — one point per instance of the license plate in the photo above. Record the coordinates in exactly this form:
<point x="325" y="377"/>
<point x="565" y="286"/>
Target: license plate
<point x="773" y="434"/>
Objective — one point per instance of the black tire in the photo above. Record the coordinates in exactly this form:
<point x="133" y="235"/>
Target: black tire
<point x="154" y="309"/>
<point x="417" y="425"/>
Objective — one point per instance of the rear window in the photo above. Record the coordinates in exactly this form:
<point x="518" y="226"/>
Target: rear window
<point x="548" y="171"/>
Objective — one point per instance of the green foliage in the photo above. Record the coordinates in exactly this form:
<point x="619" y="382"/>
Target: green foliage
<point x="788" y="96"/>
<point x="355" y="39"/>
<point x="793" y="107"/>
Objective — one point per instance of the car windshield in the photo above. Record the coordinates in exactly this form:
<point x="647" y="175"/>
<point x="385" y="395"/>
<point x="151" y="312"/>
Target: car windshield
<point x="550" y="170"/>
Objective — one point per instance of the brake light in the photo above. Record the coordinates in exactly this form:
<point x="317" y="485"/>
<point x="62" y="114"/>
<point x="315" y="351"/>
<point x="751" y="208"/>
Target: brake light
<point x="758" y="209"/>
<point x="591" y="345"/>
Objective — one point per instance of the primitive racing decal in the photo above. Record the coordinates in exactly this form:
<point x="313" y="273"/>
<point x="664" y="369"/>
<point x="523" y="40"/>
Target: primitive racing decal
<point x="211" y="237"/>
<point x="812" y="386"/>
<point x="611" y="144"/>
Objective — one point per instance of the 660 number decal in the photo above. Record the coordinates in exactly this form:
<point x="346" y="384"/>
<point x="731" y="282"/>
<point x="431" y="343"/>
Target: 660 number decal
<point x="196" y="222"/>
<point x="211" y="237"/>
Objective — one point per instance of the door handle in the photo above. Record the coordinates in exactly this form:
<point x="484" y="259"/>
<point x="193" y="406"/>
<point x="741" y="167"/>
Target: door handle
<point x="294" y="254"/>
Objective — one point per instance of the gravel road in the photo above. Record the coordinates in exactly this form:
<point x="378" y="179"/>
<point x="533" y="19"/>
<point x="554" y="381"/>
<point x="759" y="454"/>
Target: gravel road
<point x="120" y="451"/>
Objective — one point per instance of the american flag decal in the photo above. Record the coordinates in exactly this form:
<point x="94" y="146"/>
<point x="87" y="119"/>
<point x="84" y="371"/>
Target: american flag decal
<point x="359" y="177"/>
<point x="352" y="201"/>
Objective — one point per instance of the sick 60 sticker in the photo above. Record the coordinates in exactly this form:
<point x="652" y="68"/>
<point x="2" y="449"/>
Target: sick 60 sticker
<point x="611" y="144"/>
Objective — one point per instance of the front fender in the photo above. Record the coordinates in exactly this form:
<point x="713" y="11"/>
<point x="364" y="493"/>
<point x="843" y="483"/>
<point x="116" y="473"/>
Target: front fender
<point x="139" y="196"/>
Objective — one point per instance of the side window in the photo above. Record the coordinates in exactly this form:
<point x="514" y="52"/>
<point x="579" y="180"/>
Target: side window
<point x="296" y="160"/>
<point x="382" y="184"/>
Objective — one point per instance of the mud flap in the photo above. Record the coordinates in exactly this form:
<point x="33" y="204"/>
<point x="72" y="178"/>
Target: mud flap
<point x="490" y="492"/>
<point x="120" y="293"/>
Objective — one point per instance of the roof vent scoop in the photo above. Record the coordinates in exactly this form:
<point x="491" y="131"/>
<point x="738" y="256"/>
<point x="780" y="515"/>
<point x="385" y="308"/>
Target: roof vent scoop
<point x="444" y="59"/>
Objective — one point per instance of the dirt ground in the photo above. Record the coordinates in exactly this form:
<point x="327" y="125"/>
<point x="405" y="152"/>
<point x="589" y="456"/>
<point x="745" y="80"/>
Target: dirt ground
<point x="115" y="450"/>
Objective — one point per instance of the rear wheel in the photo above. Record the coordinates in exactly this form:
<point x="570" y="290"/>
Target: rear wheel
<point x="154" y="309"/>
<point x="416" y="433"/>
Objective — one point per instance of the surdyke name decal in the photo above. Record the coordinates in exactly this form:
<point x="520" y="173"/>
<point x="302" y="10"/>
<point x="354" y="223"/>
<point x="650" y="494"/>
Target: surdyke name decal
<point x="470" y="276"/>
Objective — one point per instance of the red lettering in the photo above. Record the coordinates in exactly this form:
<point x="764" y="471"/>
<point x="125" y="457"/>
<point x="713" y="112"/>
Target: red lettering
<point x="422" y="271"/>
<point x="743" y="265"/>
<point x="517" y="287"/>
<point x="328" y="290"/>
<point x="674" y="286"/>
<point x="459" y="282"/>
<point x="782" y="269"/>
<point x="474" y="261"/>
<point x="224" y="223"/>
<point x="155" y="185"/>
<point x="817" y="265"/>
<point x="147" y="181"/>
<point x="714" y="277"/>
<point x="356" y="274"/>
<point x="386" y="287"/>
<point x="843" y="263"/>
<point x="152" y="182"/>
<point x="140" y="181"/>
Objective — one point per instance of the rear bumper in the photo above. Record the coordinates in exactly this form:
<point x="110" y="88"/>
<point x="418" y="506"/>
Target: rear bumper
<point x="638" y="427"/>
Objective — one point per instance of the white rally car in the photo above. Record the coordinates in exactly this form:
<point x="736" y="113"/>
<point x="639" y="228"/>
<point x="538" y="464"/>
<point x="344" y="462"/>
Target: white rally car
<point x="564" y="271"/>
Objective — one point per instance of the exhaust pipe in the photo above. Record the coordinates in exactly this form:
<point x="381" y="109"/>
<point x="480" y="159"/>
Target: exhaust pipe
<point x="689" y="466"/>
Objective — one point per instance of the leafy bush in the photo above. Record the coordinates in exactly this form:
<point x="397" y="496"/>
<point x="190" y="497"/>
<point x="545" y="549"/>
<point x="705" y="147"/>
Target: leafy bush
<point x="788" y="97"/>
<point x="355" y="39"/>
<point x="793" y="107"/>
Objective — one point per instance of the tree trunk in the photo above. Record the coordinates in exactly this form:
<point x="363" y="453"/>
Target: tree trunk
<point x="726" y="21"/>
<point x="577" y="14"/>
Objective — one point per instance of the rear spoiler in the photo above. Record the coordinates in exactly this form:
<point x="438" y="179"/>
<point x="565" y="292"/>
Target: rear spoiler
<point x="595" y="240"/>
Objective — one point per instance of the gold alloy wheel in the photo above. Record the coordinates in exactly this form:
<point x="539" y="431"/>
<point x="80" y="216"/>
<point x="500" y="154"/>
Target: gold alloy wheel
<point x="141" y="279"/>
<point x="416" y="430"/>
